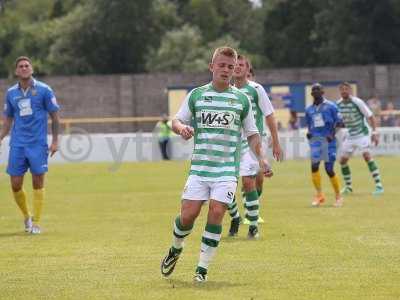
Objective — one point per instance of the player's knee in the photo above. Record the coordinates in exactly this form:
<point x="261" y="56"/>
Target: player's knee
<point x="16" y="184"/>
<point x="329" y="169"/>
<point x="189" y="212"/>
<point x="216" y="210"/>
<point x="16" y="188"/>
<point x="38" y="181"/>
<point x="343" y="160"/>
<point x="367" y="156"/>
<point x="314" y="167"/>
<point x="330" y="173"/>
<point x="248" y="183"/>
<point x="188" y="217"/>
<point x="248" y="188"/>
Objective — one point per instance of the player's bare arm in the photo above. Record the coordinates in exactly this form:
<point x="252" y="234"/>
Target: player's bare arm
<point x="7" y="121"/>
<point x="276" y="147"/>
<point x="185" y="131"/>
<point x="255" y="145"/>
<point x="55" y="127"/>
<point x="374" y="135"/>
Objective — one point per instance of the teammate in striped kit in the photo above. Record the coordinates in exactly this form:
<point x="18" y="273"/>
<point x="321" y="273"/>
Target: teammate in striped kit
<point x="355" y="116"/>
<point x="218" y="113"/>
<point x="262" y="110"/>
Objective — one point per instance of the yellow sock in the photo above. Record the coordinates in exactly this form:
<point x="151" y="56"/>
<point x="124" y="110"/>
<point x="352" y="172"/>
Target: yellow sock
<point x="316" y="179"/>
<point x="20" y="199"/>
<point x="38" y="196"/>
<point x="335" y="184"/>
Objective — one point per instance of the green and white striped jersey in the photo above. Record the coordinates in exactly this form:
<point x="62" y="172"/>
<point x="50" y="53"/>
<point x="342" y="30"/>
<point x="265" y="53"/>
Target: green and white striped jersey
<point x="354" y="112"/>
<point x="218" y="119"/>
<point x="261" y="106"/>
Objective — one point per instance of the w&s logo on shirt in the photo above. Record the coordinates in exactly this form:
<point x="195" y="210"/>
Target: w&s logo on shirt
<point x="217" y="119"/>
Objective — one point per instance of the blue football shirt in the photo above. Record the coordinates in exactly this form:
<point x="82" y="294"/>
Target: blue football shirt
<point x="29" y="109"/>
<point x="323" y="119"/>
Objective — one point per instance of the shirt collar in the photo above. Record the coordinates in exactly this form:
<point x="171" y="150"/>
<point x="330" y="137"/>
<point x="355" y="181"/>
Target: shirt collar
<point x="323" y="101"/>
<point x="350" y="98"/>
<point x="33" y="83"/>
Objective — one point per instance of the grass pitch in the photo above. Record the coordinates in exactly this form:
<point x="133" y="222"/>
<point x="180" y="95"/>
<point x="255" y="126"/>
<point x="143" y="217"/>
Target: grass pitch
<point x="105" y="232"/>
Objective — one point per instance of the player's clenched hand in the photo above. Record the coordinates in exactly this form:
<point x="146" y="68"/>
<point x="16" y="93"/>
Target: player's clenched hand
<point x="267" y="170"/>
<point x="53" y="148"/>
<point x="187" y="132"/>
<point x="375" y="139"/>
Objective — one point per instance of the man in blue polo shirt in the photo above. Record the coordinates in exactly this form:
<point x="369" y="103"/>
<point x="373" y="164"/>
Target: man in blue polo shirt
<point x="323" y="119"/>
<point x="27" y="105"/>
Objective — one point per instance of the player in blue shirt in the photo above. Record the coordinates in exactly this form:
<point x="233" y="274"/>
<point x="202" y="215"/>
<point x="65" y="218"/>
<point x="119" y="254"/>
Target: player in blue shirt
<point x="26" y="108"/>
<point x="323" y="119"/>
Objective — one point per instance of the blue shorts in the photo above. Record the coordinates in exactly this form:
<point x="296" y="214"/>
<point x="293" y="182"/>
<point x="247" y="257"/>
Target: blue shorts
<point x="33" y="157"/>
<point x="322" y="150"/>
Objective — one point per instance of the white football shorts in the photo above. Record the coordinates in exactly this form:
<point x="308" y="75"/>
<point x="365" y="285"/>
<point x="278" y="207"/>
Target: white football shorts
<point x="197" y="189"/>
<point x="248" y="164"/>
<point x="362" y="143"/>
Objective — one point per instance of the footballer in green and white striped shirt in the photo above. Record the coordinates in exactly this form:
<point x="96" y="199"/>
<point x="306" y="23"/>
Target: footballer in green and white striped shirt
<point x="249" y="171"/>
<point x="356" y="116"/>
<point x="215" y="115"/>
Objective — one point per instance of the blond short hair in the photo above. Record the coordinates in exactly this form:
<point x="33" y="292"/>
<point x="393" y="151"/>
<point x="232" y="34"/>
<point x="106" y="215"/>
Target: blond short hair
<point x="226" y="51"/>
<point x="21" y="58"/>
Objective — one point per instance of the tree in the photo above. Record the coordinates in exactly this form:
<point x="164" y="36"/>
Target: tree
<point x="185" y="50"/>
<point x="180" y="50"/>
<point x="165" y="18"/>
<point x="8" y="35"/>
<point x="289" y="34"/>
<point x="359" y="32"/>
<point x="204" y="15"/>
<point x="57" y="9"/>
<point x="239" y="19"/>
<point x="103" y="36"/>
<point x="22" y="33"/>
<point x="386" y="32"/>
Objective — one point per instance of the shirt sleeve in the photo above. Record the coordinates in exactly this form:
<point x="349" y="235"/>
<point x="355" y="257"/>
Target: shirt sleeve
<point x="308" y="120"/>
<point x="8" y="109"/>
<point x="50" y="101"/>
<point x="362" y="107"/>
<point x="249" y="124"/>
<point x="185" y="114"/>
<point x="263" y="101"/>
